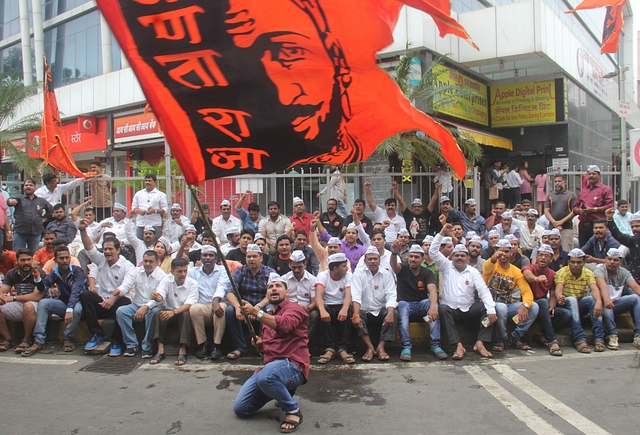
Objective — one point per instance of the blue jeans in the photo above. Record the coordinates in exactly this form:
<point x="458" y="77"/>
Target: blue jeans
<point x="342" y="210"/>
<point x="561" y="317"/>
<point x="625" y="304"/>
<point x="507" y="311"/>
<point x="234" y="326"/>
<point x="276" y="380"/>
<point x="578" y="307"/>
<point x="48" y="306"/>
<point x="30" y="241"/>
<point x="125" y="314"/>
<point x="411" y="310"/>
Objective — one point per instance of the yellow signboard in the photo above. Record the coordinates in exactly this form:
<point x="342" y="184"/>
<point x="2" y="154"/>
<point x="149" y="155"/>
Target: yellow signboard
<point x="472" y="108"/>
<point x="523" y="103"/>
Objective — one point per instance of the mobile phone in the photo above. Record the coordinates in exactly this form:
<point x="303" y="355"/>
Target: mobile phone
<point x="485" y="322"/>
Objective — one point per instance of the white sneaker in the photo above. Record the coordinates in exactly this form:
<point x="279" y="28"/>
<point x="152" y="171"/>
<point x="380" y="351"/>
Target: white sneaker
<point x="636" y="340"/>
<point x="612" y="342"/>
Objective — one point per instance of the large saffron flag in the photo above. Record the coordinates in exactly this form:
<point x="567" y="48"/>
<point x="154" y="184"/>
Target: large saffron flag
<point x="52" y="148"/>
<point x="256" y="86"/>
<point x="613" y="21"/>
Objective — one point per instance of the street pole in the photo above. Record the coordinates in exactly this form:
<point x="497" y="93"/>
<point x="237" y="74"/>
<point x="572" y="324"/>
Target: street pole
<point x="624" y="175"/>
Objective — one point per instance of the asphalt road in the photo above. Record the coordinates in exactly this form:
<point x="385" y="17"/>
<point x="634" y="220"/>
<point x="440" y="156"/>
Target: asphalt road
<point x="518" y="392"/>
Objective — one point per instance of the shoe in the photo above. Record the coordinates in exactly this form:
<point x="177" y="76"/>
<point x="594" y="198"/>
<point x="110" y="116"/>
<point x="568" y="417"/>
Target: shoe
<point x="405" y="355"/>
<point x="439" y="353"/>
<point x="612" y="342"/>
<point x="116" y="349"/>
<point x="216" y="353"/>
<point x="146" y="354"/>
<point x="203" y="352"/>
<point x="636" y="340"/>
<point x="94" y="342"/>
<point x="130" y="351"/>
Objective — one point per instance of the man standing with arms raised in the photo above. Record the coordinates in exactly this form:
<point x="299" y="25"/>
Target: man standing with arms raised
<point x="389" y="213"/>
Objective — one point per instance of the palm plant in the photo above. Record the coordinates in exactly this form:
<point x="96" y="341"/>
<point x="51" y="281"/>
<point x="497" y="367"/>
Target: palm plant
<point x="12" y="131"/>
<point x="405" y="146"/>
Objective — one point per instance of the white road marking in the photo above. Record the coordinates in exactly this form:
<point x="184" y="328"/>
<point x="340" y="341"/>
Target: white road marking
<point x="37" y="361"/>
<point x="572" y="417"/>
<point x="517" y="408"/>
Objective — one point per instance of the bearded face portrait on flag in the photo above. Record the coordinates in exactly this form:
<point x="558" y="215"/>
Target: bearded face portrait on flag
<point x="252" y="86"/>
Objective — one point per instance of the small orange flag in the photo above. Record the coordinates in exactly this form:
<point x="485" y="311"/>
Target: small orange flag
<point x="52" y="148"/>
<point x="613" y="21"/>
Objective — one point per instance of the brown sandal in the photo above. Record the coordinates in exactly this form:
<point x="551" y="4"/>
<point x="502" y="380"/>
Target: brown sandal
<point x="324" y="358"/>
<point x="554" y="351"/>
<point x="599" y="346"/>
<point x="498" y="347"/>
<point x="520" y="345"/>
<point x="6" y="345"/>
<point x="21" y="348"/>
<point x="582" y="347"/>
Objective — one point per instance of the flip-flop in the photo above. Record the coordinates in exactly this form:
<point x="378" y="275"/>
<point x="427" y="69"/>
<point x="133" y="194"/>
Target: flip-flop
<point x="236" y="354"/>
<point x="69" y="347"/>
<point x="157" y="358"/>
<point x="383" y="356"/>
<point x="368" y="356"/>
<point x="486" y="353"/>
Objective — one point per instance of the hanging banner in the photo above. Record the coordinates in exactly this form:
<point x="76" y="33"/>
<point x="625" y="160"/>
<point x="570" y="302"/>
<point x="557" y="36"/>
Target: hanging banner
<point x="474" y="108"/>
<point x="256" y="86"/>
<point x="523" y="103"/>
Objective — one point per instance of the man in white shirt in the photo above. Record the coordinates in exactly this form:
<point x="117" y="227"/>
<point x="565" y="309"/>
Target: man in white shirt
<point x="373" y="294"/>
<point x="378" y="242"/>
<point x="212" y="281"/>
<point x="147" y="243"/>
<point x="302" y="289"/>
<point x="233" y="240"/>
<point x="273" y="226"/>
<point x="115" y="224"/>
<point x="178" y="292"/>
<point x="52" y="191"/>
<point x="333" y="298"/>
<point x="530" y="232"/>
<point x="150" y="205"/>
<point x="396" y="221"/>
<point x="224" y="222"/>
<point x="142" y="308"/>
<point x="514" y="181"/>
<point x="110" y="281"/>
<point x="460" y="282"/>
<point x="174" y="227"/>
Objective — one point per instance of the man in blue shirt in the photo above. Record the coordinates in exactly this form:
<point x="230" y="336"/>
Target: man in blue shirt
<point x="599" y="244"/>
<point x="251" y="217"/>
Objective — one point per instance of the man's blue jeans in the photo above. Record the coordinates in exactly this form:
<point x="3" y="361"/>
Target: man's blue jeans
<point x="125" y="315"/>
<point x="342" y="210"/>
<point x="624" y="304"/>
<point x="31" y="241"/>
<point x="579" y="307"/>
<point x="561" y="318"/>
<point x="277" y="380"/>
<point x="507" y="311"/>
<point x="416" y="310"/>
<point x="49" y="306"/>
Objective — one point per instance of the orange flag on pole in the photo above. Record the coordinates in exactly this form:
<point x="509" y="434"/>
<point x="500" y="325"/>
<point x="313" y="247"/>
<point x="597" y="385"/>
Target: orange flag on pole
<point x="613" y="21"/>
<point x="52" y="148"/>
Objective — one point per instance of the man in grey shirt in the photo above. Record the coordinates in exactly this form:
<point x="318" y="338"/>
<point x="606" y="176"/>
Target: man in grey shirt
<point x="559" y="211"/>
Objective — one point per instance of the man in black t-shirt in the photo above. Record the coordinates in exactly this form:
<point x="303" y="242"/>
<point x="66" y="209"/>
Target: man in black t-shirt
<point x="332" y="221"/>
<point x="367" y="224"/>
<point x="280" y="261"/>
<point x="417" y="297"/>
<point x="416" y="218"/>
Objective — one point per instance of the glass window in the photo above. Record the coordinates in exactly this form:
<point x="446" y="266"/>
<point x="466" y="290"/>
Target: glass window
<point x="54" y="8"/>
<point x="11" y="59"/>
<point x="116" y="53"/>
<point x="74" y="50"/>
<point x="9" y="18"/>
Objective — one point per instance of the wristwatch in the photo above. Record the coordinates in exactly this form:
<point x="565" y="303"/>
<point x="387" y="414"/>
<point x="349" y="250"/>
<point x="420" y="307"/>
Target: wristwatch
<point x="14" y="298"/>
<point x="526" y="305"/>
<point x="259" y="315"/>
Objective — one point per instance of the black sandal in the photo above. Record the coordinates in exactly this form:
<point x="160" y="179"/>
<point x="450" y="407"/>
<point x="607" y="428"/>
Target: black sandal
<point x="5" y="345"/>
<point x="157" y="358"/>
<point x="31" y="350"/>
<point x="295" y="424"/>
<point x="182" y="360"/>
<point x="20" y="348"/>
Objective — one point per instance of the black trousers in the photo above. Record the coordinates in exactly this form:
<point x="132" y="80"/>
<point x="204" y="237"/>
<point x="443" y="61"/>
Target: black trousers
<point x="585" y="232"/>
<point x="335" y="334"/>
<point x="102" y="213"/>
<point x="451" y="319"/>
<point x="92" y="311"/>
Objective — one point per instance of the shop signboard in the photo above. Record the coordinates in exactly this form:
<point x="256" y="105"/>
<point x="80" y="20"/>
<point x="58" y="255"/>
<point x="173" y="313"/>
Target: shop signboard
<point x="474" y="108"/>
<point x="525" y="103"/>
<point x="136" y="127"/>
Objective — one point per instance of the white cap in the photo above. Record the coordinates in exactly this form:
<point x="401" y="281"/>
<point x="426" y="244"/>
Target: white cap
<point x="225" y="202"/>
<point x="149" y="228"/>
<point x="403" y="232"/>
<point x="545" y="248"/>
<point x="120" y="206"/>
<point x="460" y="248"/>
<point x="417" y="249"/>
<point x="274" y="277"/>
<point x="555" y="232"/>
<point x="510" y="237"/>
<point x="475" y="239"/>
<point x="503" y="243"/>
<point x="507" y="215"/>
<point x="176" y="206"/>
<point x="614" y="252"/>
<point x="576" y="253"/>
<point x="595" y="168"/>
<point x="166" y="242"/>
<point x="634" y="217"/>
<point x="417" y="201"/>
<point x="447" y="240"/>
<point x="444" y="198"/>
<point x="297" y="199"/>
<point x="190" y="228"/>
<point x="251" y="247"/>
<point x="337" y="258"/>
<point x="372" y="250"/>
<point x="208" y="248"/>
<point x="297" y="257"/>
<point x="351" y="226"/>
<point x="334" y="241"/>
<point x="258" y="236"/>
<point x="427" y="239"/>
<point x="470" y="201"/>
<point x="532" y="211"/>
<point x="546" y="233"/>
<point x="232" y="230"/>
<point x="494" y="233"/>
